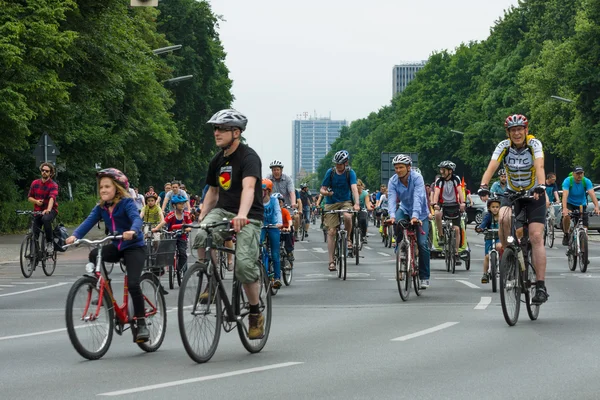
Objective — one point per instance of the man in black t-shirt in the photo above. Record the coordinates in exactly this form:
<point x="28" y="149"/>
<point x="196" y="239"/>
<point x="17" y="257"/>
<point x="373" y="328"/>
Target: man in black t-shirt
<point x="235" y="193"/>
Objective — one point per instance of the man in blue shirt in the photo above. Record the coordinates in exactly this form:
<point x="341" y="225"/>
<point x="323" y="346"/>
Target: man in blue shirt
<point x="408" y="188"/>
<point x="499" y="187"/>
<point x="575" y="188"/>
<point x="340" y="192"/>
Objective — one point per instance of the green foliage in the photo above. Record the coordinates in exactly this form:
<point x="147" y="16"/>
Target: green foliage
<point x="539" y="49"/>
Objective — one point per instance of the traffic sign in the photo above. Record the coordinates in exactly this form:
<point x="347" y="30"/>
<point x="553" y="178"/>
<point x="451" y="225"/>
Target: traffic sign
<point x="46" y="150"/>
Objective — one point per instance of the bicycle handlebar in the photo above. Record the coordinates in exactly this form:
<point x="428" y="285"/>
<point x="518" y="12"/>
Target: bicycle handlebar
<point x="94" y="242"/>
<point x="28" y="212"/>
<point x="340" y="211"/>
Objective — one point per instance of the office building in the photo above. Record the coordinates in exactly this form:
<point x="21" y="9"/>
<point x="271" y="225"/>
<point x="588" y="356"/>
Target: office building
<point x="311" y="140"/>
<point x="403" y="74"/>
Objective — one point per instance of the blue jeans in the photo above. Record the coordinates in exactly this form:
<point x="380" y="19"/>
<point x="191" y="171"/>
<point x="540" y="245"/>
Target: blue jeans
<point x="274" y="243"/>
<point x="424" y="259"/>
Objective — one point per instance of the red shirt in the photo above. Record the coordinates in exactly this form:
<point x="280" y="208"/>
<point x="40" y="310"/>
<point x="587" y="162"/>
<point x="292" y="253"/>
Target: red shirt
<point x="41" y="190"/>
<point x="285" y="216"/>
<point x="171" y="220"/>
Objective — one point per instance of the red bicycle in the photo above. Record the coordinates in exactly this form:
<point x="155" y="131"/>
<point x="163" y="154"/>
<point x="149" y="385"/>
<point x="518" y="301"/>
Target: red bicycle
<point x="92" y="313"/>
<point x="407" y="265"/>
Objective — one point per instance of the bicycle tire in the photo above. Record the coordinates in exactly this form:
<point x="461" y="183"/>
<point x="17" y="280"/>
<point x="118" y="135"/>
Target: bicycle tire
<point x="208" y="313"/>
<point x="242" y="309"/>
<point x="156" y="322"/>
<point x="337" y="257"/>
<point x="417" y="284"/>
<point x="76" y="332"/>
<point x="272" y="280"/>
<point x="287" y="271"/>
<point x="179" y="276"/>
<point x="222" y="257"/>
<point x="494" y="270"/>
<point x="572" y="256"/>
<point x="510" y="293"/>
<point x="171" y="277"/>
<point x="356" y="245"/>
<point x="583" y="251"/>
<point x="344" y="247"/>
<point x="49" y="268"/>
<point x="302" y="231"/>
<point x="551" y="237"/>
<point x="529" y="284"/>
<point x="123" y="268"/>
<point x="324" y="236"/>
<point x="402" y="277"/>
<point x="27" y="256"/>
<point x="452" y="251"/>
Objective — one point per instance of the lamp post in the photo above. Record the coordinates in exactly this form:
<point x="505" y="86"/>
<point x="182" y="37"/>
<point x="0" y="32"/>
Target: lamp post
<point x="459" y="132"/>
<point x="167" y="49"/>
<point x="562" y="99"/>
<point x="179" y="79"/>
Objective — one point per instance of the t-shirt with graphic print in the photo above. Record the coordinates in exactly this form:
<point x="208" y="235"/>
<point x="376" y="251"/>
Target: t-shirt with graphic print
<point x="227" y="174"/>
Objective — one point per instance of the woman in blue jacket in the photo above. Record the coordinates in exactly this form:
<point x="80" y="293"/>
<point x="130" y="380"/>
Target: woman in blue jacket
<point x="120" y="216"/>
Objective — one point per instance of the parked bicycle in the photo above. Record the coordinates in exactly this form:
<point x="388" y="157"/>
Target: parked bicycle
<point x="92" y="312"/>
<point x="577" y="251"/>
<point x="33" y="248"/>
<point x="204" y="305"/>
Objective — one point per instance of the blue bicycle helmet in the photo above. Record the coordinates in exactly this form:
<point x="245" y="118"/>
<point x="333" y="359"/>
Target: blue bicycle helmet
<point x="176" y="199"/>
<point x="278" y="196"/>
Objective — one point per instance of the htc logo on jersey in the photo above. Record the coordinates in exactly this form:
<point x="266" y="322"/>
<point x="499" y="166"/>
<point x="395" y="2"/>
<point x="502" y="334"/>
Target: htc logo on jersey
<point x="518" y="161"/>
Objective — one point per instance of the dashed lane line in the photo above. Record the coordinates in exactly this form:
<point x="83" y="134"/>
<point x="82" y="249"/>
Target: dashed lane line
<point x="483" y="303"/>
<point x="424" y="332"/>
<point x="34" y="290"/>
<point x="469" y="284"/>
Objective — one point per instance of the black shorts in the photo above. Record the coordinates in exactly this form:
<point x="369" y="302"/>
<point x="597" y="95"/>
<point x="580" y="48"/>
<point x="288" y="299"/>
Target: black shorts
<point x="528" y="210"/>
<point x="452" y="213"/>
<point x="586" y="217"/>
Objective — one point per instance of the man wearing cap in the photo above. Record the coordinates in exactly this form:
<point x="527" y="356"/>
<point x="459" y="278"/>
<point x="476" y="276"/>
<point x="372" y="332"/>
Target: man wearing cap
<point x="575" y="188"/>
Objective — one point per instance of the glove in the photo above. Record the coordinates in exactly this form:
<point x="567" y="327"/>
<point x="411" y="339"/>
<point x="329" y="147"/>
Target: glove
<point x="539" y="189"/>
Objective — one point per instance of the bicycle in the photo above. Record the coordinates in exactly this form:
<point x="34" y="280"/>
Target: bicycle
<point x="33" y="250"/>
<point x="577" y="251"/>
<point x="287" y="266"/>
<point x="313" y="216"/>
<point x="92" y="308"/>
<point x="203" y="300"/>
<point x="549" y="227"/>
<point x="170" y="242"/>
<point x="517" y="273"/>
<point x="493" y="271"/>
<point x="357" y="242"/>
<point x="450" y="250"/>
<point x="267" y="261"/>
<point x="301" y="227"/>
<point x="407" y="266"/>
<point x="387" y="232"/>
<point x="340" y="254"/>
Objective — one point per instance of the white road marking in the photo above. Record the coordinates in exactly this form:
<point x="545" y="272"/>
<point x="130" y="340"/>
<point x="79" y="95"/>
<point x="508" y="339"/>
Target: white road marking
<point x="361" y="279"/>
<point x="383" y="254"/>
<point x="483" y="303"/>
<point x="312" y="280"/>
<point x="199" y="379"/>
<point x="34" y="290"/>
<point x="7" y="286"/>
<point x="367" y="247"/>
<point x="319" y="250"/>
<point x="295" y="250"/>
<point x="479" y="245"/>
<point x="28" y="283"/>
<point x="32" y="334"/>
<point x="424" y="332"/>
<point x="469" y="284"/>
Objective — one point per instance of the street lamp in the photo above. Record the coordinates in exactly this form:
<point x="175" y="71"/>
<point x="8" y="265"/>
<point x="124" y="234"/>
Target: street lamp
<point x="459" y="132"/>
<point x="179" y="79"/>
<point x="562" y="99"/>
<point x="167" y="49"/>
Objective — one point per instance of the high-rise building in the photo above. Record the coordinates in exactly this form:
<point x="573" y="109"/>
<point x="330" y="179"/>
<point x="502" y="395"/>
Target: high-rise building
<point x="403" y="74"/>
<point x="311" y="140"/>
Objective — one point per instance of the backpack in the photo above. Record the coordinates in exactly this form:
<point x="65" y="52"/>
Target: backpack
<point x="333" y="172"/>
<point x="60" y="235"/>
<point x="571" y="183"/>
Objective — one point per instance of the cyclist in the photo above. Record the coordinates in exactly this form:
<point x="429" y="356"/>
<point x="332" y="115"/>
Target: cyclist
<point x="408" y="188"/>
<point x="523" y="159"/>
<point x="161" y="197"/>
<point x="177" y="217"/>
<point x="499" y="187"/>
<point x="448" y="202"/>
<point x="339" y="189"/>
<point x="120" y="216"/>
<point x="490" y="221"/>
<point x="382" y="207"/>
<point x="306" y="200"/>
<point x="365" y="206"/>
<point x="151" y="213"/>
<point x="235" y="193"/>
<point x="282" y="183"/>
<point x="286" y="231"/>
<point x="575" y="188"/>
<point x="176" y="190"/>
<point x="272" y="216"/>
<point x="43" y="193"/>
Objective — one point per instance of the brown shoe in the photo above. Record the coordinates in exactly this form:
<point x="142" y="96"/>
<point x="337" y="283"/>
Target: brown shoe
<point x="256" y="330"/>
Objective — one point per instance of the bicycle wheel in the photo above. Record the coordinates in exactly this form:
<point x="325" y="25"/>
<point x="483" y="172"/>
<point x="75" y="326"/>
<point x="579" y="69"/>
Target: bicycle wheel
<point x="402" y="276"/>
<point x="199" y="313"/>
<point x="337" y="257"/>
<point x="222" y="259"/>
<point x="171" y="276"/>
<point x="324" y="235"/>
<point x="28" y="255"/>
<point x="583" y="251"/>
<point x="344" y="255"/>
<point x="572" y="255"/>
<point x="452" y="247"/>
<point x="155" y="312"/>
<point x="530" y="279"/>
<point x="287" y="271"/>
<point x="49" y="266"/>
<point x="493" y="271"/>
<point x="510" y="293"/>
<point x="551" y="235"/>
<point x="271" y="278"/>
<point x="123" y="269"/>
<point x="447" y="251"/>
<point x="179" y="275"/>
<point x="417" y="284"/>
<point x="241" y="308"/>
<point x="356" y="245"/>
<point x="302" y="231"/>
<point x="90" y="321"/>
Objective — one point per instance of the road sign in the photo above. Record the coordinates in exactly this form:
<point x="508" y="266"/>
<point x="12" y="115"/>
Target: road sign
<point x="387" y="168"/>
<point x="46" y="150"/>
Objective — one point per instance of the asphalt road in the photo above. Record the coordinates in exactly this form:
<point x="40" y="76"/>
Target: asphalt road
<point x="330" y="339"/>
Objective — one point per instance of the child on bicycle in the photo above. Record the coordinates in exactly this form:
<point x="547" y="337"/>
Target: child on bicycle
<point x="286" y="231"/>
<point x="177" y="217"/>
<point x="490" y="221"/>
<point x="272" y="216"/>
<point x="151" y="212"/>
<point x="121" y="217"/>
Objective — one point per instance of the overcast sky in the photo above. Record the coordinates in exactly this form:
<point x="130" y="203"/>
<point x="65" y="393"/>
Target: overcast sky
<point x="332" y="56"/>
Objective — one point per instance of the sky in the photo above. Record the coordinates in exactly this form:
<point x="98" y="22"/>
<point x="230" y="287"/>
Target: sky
<point x="332" y="57"/>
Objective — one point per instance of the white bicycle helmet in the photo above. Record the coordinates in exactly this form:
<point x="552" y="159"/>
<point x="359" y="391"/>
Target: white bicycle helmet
<point x="229" y="117"/>
<point x="447" y="164"/>
<point x="341" y="157"/>
<point x="501" y="172"/>
<point x="417" y="170"/>
<point x="402" y="159"/>
<point x="276" y="163"/>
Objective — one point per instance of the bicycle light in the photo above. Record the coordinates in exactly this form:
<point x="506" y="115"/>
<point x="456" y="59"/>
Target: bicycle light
<point x="90" y="267"/>
<point x="510" y="240"/>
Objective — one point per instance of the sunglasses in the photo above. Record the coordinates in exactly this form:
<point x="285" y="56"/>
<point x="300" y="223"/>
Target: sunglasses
<point x="46" y="170"/>
<point x="222" y="128"/>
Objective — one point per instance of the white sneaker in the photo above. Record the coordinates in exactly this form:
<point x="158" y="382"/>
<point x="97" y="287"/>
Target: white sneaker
<point x="424" y="283"/>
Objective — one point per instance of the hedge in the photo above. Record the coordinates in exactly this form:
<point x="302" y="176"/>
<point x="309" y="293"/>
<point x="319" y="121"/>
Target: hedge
<point x="69" y="213"/>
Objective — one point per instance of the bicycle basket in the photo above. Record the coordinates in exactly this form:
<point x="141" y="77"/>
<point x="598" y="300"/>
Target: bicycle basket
<point x="163" y="255"/>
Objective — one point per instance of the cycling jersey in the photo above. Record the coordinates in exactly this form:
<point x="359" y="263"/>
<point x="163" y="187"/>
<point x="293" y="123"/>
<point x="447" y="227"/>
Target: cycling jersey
<point x="384" y="201"/>
<point x="518" y="163"/>
<point x="448" y="190"/>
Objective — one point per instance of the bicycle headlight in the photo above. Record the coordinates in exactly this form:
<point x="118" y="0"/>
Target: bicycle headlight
<point x="90" y="267"/>
<point x="510" y="240"/>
